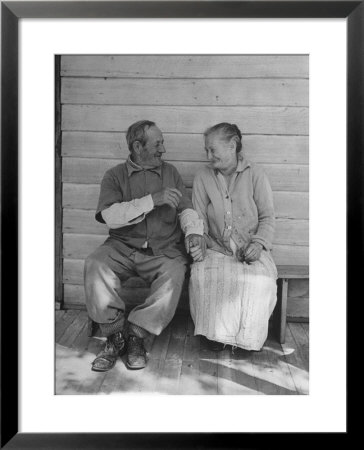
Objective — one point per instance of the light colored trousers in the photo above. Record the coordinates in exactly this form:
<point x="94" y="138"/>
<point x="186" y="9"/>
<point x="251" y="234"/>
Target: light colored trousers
<point x="107" y="268"/>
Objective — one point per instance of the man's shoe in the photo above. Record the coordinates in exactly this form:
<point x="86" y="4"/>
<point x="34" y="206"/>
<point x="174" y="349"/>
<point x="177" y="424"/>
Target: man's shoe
<point x="136" y="358"/>
<point x="106" y="359"/>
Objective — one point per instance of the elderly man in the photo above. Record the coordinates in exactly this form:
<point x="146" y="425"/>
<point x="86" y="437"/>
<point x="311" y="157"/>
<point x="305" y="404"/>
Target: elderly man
<point x="140" y="201"/>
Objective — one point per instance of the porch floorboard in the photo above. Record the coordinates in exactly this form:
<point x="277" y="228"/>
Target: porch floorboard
<point x="178" y="364"/>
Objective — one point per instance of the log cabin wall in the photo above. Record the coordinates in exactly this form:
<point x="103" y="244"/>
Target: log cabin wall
<point x="265" y="95"/>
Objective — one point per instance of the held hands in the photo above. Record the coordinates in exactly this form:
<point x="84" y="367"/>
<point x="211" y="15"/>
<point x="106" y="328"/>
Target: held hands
<point x="167" y="196"/>
<point x="196" y="247"/>
<point x="251" y="253"/>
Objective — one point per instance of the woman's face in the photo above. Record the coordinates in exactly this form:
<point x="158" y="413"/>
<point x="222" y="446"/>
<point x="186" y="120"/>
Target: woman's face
<point x="220" y="152"/>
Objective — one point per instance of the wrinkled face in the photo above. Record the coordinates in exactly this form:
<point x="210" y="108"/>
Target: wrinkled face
<point x="220" y="152"/>
<point x="150" y="155"/>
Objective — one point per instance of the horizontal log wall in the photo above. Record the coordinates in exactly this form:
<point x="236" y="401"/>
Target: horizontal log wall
<point x="265" y="95"/>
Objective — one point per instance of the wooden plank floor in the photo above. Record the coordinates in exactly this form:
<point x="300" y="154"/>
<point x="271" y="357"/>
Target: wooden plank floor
<point x="178" y="364"/>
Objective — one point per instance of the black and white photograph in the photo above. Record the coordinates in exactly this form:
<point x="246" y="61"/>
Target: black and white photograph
<point x="182" y="224"/>
<point x="181" y="201"/>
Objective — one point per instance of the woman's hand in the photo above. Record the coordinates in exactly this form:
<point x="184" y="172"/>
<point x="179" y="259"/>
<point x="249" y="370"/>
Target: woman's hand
<point x="253" y="252"/>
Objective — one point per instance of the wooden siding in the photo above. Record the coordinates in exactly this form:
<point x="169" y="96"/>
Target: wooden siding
<point x="186" y="147"/>
<point x="185" y="92"/>
<point x="283" y="177"/>
<point x="186" y="66"/>
<point x="266" y="95"/>
<point x="187" y="119"/>
<point x="79" y="221"/>
<point x="58" y="189"/>
<point x="291" y="205"/>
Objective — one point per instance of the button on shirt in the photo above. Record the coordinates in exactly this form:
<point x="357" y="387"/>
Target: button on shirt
<point x="238" y="212"/>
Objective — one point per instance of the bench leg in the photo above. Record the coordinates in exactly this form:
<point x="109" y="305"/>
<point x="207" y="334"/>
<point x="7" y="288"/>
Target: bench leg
<point x="281" y="310"/>
<point x="91" y="327"/>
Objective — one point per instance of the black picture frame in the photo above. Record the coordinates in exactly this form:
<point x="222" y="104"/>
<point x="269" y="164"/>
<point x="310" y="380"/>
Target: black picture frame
<point x="11" y="13"/>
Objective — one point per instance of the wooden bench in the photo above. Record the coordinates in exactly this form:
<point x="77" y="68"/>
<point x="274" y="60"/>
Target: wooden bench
<point x="280" y="311"/>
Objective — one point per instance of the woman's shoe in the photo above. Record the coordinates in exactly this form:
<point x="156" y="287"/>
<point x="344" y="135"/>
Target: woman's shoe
<point x="212" y="345"/>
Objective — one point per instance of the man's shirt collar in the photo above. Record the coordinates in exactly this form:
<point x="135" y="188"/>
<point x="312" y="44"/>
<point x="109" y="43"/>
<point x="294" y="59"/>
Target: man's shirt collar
<point x="132" y="167"/>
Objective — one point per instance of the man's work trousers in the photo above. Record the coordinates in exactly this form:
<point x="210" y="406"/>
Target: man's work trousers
<point x="105" y="271"/>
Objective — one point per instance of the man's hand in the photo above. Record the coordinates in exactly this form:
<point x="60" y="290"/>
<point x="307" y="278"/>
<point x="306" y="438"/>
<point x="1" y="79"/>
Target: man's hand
<point x="253" y="252"/>
<point x="196" y="247"/>
<point x="167" y="196"/>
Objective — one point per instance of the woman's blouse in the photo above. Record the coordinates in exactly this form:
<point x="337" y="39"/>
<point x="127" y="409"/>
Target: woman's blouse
<point x="242" y="211"/>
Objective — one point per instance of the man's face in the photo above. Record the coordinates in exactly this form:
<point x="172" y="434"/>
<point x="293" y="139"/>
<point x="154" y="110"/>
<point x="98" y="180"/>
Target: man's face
<point x="151" y="154"/>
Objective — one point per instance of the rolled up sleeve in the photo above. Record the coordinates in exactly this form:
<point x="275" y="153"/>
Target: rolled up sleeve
<point x="190" y="222"/>
<point x="114" y="211"/>
<point x="127" y="213"/>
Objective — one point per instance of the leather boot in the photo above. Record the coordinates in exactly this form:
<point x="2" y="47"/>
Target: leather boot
<point x="136" y="358"/>
<point x="115" y="346"/>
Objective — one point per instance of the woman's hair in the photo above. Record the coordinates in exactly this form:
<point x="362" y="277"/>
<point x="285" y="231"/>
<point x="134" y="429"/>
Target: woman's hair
<point x="229" y="131"/>
<point x="136" y="132"/>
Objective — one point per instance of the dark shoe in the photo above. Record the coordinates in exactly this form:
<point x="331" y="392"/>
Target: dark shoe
<point x="106" y="359"/>
<point x="212" y="345"/>
<point x="136" y="358"/>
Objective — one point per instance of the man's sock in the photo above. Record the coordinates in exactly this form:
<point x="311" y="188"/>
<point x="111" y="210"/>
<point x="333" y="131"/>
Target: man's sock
<point x="136" y="330"/>
<point x="107" y="329"/>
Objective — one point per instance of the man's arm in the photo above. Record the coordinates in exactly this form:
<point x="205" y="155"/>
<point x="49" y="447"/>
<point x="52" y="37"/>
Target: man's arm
<point x="115" y="212"/>
<point x="192" y="226"/>
<point x="188" y="217"/>
<point x="127" y="213"/>
<point x="190" y="222"/>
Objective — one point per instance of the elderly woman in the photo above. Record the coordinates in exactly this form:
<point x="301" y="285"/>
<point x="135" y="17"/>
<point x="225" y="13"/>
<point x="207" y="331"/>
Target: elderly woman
<point x="233" y="279"/>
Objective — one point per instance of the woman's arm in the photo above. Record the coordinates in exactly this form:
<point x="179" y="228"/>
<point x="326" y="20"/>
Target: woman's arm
<point x="200" y="200"/>
<point x="263" y="198"/>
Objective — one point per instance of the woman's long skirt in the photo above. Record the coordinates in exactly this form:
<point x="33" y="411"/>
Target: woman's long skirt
<point x="230" y="301"/>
